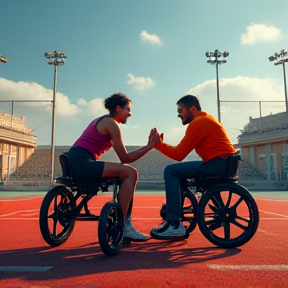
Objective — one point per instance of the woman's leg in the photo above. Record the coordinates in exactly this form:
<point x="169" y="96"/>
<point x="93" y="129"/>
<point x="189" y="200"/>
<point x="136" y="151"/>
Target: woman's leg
<point x="129" y="176"/>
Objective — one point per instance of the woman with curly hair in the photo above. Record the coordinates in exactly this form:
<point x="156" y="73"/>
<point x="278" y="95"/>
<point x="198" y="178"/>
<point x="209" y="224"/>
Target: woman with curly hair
<point x="101" y="134"/>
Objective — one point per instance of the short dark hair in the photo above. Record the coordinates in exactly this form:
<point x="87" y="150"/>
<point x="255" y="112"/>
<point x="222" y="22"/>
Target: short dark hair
<point x="189" y="101"/>
<point x="117" y="99"/>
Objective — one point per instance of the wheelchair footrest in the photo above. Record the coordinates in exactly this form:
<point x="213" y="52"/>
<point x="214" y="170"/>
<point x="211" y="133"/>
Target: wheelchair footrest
<point x="86" y="217"/>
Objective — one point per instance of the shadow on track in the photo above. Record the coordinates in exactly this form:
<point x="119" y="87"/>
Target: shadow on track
<point x="89" y="259"/>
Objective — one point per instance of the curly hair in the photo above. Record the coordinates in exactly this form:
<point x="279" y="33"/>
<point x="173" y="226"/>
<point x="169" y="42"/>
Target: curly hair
<point x="117" y="99"/>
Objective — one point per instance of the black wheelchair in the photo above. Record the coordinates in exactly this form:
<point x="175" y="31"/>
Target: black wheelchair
<point x="226" y="213"/>
<point x="68" y="202"/>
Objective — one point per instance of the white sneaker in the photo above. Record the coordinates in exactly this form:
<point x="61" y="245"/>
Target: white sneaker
<point x="130" y="232"/>
<point x="167" y="231"/>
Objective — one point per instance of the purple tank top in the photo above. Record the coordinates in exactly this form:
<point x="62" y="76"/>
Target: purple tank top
<point x="93" y="141"/>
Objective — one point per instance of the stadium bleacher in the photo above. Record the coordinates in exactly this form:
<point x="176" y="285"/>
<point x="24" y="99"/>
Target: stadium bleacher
<point x="36" y="170"/>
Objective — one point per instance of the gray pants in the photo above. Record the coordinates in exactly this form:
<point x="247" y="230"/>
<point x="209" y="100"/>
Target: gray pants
<point x="174" y="173"/>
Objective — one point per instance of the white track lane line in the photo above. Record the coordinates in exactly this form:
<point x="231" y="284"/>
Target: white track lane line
<point x="14" y="269"/>
<point x="23" y="199"/>
<point x="20" y="211"/>
<point x="269" y="233"/>
<point x="273" y="200"/>
<point x="276" y="214"/>
<point x="249" y="267"/>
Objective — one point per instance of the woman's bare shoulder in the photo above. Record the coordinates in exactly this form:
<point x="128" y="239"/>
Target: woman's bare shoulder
<point x="107" y="125"/>
<point x="109" y="121"/>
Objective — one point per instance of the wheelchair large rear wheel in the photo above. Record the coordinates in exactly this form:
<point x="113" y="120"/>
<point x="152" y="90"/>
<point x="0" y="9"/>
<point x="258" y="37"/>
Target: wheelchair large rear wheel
<point x="228" y="215"/>
<point x="110" y="228"/>
<point x="189" y="206"/>
<point x="56" y="215"/>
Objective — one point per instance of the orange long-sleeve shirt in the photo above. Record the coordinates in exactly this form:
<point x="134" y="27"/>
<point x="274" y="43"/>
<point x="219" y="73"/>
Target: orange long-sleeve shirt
<point x="204" y="134"/>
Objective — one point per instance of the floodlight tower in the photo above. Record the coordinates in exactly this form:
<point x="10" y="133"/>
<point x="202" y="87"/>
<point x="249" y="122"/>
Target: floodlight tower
<point x="4" y="60"/>
<point x="281" y="58"/>
<point x="217" y="57"/>
<point x="56" y="59"/>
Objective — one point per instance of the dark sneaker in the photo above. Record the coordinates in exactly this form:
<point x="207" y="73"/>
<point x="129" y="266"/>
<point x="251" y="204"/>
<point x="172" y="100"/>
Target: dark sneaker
<point x="168" y="231"/>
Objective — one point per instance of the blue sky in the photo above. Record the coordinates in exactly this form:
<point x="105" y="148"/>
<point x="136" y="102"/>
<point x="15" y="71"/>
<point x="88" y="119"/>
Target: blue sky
<point x="153" y="51"/>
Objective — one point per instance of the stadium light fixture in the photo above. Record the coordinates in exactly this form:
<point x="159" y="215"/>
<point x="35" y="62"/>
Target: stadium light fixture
<point x="281" y="58"/>
<point x="3" y="59"/>
<point x="217" y="57"/>
<point x="56" y="59"/>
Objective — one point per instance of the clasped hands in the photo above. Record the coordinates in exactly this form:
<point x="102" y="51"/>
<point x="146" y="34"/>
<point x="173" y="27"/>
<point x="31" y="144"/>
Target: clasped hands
<point x="154" y="138"/>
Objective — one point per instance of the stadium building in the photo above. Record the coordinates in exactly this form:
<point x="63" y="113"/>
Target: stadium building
<point x="263" y="143"/>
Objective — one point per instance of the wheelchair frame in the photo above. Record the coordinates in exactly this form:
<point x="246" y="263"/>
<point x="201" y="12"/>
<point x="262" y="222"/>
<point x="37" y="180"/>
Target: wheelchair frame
<point x="66" y="211"/>
<point x="222" y="214"/>
<point x="213" y="210"/>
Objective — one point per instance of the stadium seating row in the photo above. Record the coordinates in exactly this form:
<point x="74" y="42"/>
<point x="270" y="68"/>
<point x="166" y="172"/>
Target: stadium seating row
<point x="150" y="167"/>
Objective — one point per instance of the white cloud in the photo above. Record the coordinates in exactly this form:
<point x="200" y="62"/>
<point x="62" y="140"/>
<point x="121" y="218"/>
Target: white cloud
<point x="150" y="38"/>
<point x="175" y="134"/>
<point x="93" y="107"/>
<point x="10" y="90"/>
<point x="140" y="83"/>
<point x="234" y="115"/>
<point x="260" y="33"/>
<point x="243" y="89"/>
<point x="130" y="127"/>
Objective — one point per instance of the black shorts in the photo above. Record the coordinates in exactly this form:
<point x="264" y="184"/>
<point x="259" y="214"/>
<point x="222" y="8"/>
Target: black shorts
<point x="84" y="166"/>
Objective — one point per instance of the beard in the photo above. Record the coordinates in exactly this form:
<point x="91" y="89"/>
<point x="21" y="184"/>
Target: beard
<point x="184" y="122"/>
<point x="187" y="120"/>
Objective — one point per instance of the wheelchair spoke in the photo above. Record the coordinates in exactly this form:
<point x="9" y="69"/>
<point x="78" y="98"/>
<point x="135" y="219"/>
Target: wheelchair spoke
<point x="239" y="225"/>
<point x="227" y="230"/>
<point x="54" y="227"/>
<point x="188" y="210"/>
<point x="229" y="199"/>
<point x="218" y="201"/>
<point x="55" y="203"/>
<point x="213" y="208"/>
<point x="236" y="223"/>
<point x="188" y="218"/>
<point x="243" y="219"/>
<point x="51" y="215"/>
<point x="210" y="214"/>
<point x="211" y="222"/>
<point x="237" y="203"/>
<point x="215" y="226"/>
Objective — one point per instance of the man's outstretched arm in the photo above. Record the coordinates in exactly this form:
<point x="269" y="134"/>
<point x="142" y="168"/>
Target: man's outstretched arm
<point x="179" y="152"/>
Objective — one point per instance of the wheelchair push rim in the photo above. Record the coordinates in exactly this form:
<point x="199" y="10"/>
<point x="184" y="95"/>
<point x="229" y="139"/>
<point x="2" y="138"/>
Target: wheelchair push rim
<point x="110" y="228"/>
<point x="56" y="215"/>
<point x="228" y="215"/>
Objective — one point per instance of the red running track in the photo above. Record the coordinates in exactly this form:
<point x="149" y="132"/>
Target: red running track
<point x="27" y="261"/>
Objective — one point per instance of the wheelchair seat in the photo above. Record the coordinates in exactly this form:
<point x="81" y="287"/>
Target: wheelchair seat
<point x="203" y="183"/>
<point x="69" y="180"/>
<point x="233" y="166"/>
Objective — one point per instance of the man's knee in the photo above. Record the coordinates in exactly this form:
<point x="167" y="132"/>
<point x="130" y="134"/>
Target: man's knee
<point x="167" y="171"/>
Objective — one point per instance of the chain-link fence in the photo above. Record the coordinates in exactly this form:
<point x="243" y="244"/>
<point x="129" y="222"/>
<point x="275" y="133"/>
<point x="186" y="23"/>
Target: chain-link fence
<point x="35" y="118"/>
<point x="36" y="115"/>
<point x="235" y="115"/>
